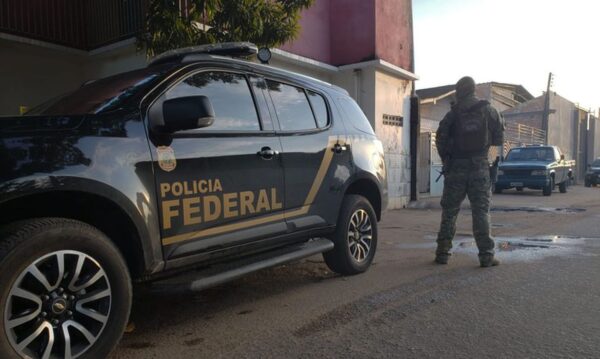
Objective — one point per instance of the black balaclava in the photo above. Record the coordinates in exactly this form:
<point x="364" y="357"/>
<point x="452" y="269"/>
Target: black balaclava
<point x="465" y="88"/>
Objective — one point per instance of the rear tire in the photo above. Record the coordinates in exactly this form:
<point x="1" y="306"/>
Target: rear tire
<point x="355" y="237"/>
<point x="68" y="278"/>
<point x="519" y="189"/>
<point x="562" y="187"/>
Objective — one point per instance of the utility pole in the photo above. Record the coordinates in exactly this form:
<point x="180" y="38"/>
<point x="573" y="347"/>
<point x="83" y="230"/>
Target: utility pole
<point x="546" y="114"/>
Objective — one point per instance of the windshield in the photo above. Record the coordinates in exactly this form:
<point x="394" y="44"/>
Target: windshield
<point x="531" y="154"/>
<point x="103" y="95"/>
<point x="596" y="163"/>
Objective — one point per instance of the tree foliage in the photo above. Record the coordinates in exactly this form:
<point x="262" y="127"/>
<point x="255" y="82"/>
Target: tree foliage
<point x="263" y="22"/>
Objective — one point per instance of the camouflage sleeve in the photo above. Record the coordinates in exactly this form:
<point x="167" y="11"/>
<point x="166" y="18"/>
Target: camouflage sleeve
<point x="496" y="127"/>
<point x="442" y="137"/>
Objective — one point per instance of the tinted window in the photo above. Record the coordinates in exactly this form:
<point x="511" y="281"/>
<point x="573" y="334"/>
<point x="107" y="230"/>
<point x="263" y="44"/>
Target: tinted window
<point x="319" y="108"/>
<point x="229" y="95"/>
<point x="292" y="107"/>
<point x="355" y="116"/>
<point x="104" y="95"/>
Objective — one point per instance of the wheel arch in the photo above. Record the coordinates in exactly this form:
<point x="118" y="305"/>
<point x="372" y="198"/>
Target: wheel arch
<point x="367" y="187"/>
<point x="94" y="209"/>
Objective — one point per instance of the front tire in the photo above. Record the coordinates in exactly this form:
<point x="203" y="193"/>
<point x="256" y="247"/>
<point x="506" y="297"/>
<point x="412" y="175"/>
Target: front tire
<point x="547" y="190"/>
<point x="65" y="290"/>
<point x="355" y="237"/>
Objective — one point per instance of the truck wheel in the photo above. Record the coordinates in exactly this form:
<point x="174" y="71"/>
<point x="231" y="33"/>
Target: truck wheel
<point x="547" y="190"/>
<point x="562" y="187"/>
<point x="355" y="237"/>
<point x="519" y="189"/>
<point x="65" y="290"/>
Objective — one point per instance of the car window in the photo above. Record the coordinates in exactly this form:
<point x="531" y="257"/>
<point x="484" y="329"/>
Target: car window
<point x="230" y="96"/>
<point x="354" y="115"/>
<point x="319" y="108"/>
<point x="292" y="107"/>
<point x="531" y="154"/>
<point x="596" y="163"/>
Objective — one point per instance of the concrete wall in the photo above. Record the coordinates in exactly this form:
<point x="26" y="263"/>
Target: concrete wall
<point x="433" y="113"/>
<point x="341" y="32"/>
<point x="314" y="39"/>
<point x="27" y="81"/>
<point x="562" y="125"/>
<point x="393" y="31"/>
<point x="392" y="97"/>
<point x="596" y="141"/>
<point x="120" y="59"/>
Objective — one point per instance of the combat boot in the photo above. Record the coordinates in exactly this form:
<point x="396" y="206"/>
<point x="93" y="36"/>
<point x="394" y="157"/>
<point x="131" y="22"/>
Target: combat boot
<point x="488" y="261"/>
<point x="442" y="258"/>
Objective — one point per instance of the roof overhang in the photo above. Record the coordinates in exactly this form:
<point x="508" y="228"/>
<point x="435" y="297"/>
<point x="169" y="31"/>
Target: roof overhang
<point x="382" y="65"/>
<point x="434" y="100"/>
<point x="303" y="61"/>
<point x="324" y="67"/>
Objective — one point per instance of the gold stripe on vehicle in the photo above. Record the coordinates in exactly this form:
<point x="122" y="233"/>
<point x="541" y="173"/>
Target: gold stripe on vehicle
<point x="314" y="189"/>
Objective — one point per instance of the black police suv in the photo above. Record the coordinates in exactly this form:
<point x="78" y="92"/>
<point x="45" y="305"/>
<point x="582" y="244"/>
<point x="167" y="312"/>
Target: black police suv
<point x="197" y="161"/>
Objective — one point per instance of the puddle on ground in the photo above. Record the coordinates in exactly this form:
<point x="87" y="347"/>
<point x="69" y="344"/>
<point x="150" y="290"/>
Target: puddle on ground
<point x="565" y="210"/>
<point x="515" y="248"/>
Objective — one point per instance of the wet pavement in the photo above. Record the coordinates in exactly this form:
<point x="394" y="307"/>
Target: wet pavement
<point x="541" y="302"/>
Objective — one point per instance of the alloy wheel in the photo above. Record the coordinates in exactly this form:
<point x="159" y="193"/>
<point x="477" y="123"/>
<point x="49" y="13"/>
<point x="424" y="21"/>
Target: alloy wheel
<point x="58" y="306"/>
<point x="360" y="235"/>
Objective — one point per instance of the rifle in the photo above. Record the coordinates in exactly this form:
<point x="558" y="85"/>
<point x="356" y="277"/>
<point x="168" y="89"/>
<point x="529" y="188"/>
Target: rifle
<point x="445" y="168"/>
<point x="494" y="170"/>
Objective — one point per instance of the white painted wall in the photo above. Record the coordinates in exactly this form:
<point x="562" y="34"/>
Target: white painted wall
<point x="392" y="97"/>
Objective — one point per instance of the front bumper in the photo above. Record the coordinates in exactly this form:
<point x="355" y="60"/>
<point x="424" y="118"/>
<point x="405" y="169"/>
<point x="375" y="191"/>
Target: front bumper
<point x="593" y="178"/>
<point x="535" y="182"/>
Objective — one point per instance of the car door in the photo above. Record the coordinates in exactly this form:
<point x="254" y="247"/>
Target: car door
<point x="219" y="186"/>
<point x="315" y="158"/>
<point x="560" y="174"/>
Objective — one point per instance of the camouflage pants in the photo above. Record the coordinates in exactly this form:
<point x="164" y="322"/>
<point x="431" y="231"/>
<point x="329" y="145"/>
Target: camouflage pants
<point x="469" y="177"/>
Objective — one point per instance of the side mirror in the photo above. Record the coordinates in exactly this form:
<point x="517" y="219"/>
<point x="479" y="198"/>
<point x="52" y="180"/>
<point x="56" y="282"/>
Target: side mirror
<point x="187" y="113"/>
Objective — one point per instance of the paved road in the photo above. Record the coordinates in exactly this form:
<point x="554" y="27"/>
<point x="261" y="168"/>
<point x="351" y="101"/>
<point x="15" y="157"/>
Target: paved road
<point x="542" y="302"/>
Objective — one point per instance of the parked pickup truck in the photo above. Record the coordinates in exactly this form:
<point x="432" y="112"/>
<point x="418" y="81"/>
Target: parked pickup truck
<point x="536" y="167"/>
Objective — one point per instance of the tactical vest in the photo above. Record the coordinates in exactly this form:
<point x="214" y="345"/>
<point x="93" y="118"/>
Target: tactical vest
<point x="470" y="133"/>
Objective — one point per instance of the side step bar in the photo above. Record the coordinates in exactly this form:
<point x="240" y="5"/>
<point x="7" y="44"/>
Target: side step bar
<point x="218" y="274"/>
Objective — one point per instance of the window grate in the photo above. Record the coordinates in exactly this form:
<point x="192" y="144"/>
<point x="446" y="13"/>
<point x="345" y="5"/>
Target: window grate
<point x="392" y="120"/>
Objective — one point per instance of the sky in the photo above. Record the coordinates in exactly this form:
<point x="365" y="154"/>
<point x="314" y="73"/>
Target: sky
<point x="511" y="41"/>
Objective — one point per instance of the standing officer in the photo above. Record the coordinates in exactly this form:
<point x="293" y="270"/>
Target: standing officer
<point x="463" y="140"/>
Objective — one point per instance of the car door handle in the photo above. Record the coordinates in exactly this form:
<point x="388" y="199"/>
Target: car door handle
<point x="337" y="148"/>
<point x="267" y="153"/>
